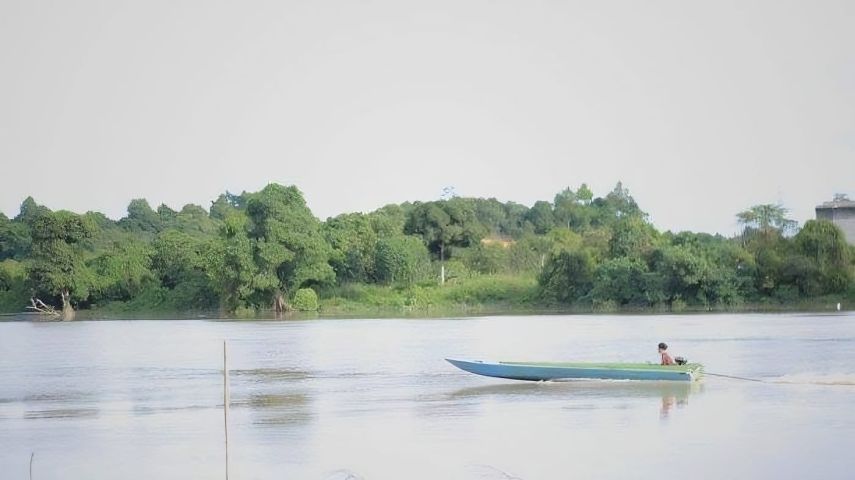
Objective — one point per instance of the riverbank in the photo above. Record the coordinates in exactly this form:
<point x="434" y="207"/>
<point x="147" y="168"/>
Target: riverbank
<point x="476" y="296"/>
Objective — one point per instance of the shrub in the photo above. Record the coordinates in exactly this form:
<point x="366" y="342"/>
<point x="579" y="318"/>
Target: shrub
<point x="305" y="300"/>
<point x="245" y="312"/>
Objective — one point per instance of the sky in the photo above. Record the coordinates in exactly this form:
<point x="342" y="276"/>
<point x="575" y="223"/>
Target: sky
<point x="701" y="109"/>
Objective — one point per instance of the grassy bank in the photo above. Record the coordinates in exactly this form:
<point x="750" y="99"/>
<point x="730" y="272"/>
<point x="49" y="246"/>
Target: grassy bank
<point x="470" y="296"/>
<point x="494" y="293"/>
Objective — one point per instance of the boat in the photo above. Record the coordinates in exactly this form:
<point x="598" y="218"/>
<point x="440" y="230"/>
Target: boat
<point x="544" y="371"/>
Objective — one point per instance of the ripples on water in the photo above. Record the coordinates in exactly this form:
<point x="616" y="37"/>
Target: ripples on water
<point x="373" y="399"/>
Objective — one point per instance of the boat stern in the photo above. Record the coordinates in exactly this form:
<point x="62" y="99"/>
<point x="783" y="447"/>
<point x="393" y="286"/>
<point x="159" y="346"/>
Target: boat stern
<point x="695" y="372"/>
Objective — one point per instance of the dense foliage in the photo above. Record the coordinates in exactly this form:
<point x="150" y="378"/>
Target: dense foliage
<point x="263" y="250"/>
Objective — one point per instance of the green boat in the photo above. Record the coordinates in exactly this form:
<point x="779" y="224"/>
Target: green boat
<point x="542" y="371"/>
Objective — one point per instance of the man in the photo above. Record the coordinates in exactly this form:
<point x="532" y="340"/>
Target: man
<point x="663" y="353"/>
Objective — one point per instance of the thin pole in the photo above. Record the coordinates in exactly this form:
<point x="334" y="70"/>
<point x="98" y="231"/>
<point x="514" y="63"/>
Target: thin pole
<point x="226" y="402"/>
<point x="33" y="454"/>
<point x="442" y="264"/>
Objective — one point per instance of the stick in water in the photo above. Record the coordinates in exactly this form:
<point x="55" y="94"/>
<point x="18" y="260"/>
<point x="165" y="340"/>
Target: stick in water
<point x="226" y="402"/>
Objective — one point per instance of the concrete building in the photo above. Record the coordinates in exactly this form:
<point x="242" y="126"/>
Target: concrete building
<point x="841" y="211"/>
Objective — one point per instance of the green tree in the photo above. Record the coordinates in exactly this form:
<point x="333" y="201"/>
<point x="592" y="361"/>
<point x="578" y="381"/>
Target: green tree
<point x="563" y="239"/>
<point x="400" y="259"/>
<point x="564" y="205"/>
<point x="227" y="204"/>
<point x="166" y="214"/>
<point x="179" y="262"/>
<point x="769" y="262"/>
<point x="541" y="217"/>
<point x="584" y="194"/>
<point x="443" y="224"/>
<point x="682" y="272"/>
<point x="176" y="257"/>
<point x="289" y="249"/>
<point x="491" y="214"/>
<point x="30" y="210"/>
<point x="567" y="276"/>
<point x="57" y="268"/>
<point x="824" y="244"/>
<point x="489" y="258"/>
<point x="617" y="204"/>
<point x="767" y="219"/>
<point x="633" y="237"/>
<point x="514" y="223"/>
<point x="14" y="238"/>
<point x="597" y="241"/>
<point x="229" y="263"/>
<point x="700" y="268"/>
<point x="14" y="293"/>
<point x="528" y="254"/>
<point x="571" y="209"/>
<point x="353" y="241"/>
<point x="627" y="281"/>
<point x="121" y="273"/>
<point x="801" y="272"/>
<point x="389" y="220"/>
<point x="764" y="237"/>
<point x="194" y="220"/>
<point x="141" y="218"/>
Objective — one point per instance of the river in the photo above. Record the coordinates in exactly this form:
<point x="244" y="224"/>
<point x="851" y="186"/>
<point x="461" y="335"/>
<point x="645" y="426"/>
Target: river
<point x="373" y="399"/>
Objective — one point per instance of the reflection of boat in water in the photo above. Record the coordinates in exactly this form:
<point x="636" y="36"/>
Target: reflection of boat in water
<point x="591" y="392"/>
<point x="586" y="389"/>
<point x="539" y="371"/>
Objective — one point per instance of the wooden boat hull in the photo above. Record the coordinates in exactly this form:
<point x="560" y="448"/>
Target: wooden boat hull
<point x="536" y="371"/>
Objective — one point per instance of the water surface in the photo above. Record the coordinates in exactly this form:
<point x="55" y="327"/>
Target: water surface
<point x="373" y="399"/>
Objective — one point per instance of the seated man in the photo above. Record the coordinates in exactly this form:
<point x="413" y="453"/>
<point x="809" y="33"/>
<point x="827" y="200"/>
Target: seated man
<point x="663" y="352"/>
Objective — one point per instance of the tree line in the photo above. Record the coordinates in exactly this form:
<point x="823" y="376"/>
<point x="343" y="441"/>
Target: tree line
<point x="266" y="250"/>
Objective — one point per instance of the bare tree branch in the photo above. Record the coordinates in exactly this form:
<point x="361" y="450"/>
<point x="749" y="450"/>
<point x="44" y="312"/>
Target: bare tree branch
<point x="41" y="307"/>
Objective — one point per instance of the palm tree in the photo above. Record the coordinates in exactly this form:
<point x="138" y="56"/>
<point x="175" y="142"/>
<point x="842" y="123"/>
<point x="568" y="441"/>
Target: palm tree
<point x="766" y="218"/>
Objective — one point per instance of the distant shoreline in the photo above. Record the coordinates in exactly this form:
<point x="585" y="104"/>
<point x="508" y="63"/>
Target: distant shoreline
<point x="458" y="311"/>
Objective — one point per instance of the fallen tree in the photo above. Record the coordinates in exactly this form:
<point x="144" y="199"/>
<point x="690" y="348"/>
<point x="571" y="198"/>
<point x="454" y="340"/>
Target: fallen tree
<point x="38" y="306"/>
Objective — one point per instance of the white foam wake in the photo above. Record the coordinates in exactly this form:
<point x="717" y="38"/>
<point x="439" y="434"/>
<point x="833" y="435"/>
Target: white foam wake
<point x="840" y="379"/>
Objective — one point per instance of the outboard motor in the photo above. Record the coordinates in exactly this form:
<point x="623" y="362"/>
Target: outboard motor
<point x="680" y="360"/>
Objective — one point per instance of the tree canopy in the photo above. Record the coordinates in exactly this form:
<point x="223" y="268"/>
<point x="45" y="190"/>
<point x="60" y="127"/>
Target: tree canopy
<point x="265" y="249"/>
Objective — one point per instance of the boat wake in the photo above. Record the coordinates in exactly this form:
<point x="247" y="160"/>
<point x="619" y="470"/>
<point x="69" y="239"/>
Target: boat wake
<point x="835" y="379"/>
<point x="343" y="475"/>
<point x="491" y="472"/>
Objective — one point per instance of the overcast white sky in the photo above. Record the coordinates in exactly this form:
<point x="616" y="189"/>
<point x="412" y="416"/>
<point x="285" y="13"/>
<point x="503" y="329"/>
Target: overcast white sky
<point x="700" y="108"/>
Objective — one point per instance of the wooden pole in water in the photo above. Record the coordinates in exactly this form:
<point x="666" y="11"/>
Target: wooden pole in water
<point x="226" y="402"/>
<point x="33" y="454"/>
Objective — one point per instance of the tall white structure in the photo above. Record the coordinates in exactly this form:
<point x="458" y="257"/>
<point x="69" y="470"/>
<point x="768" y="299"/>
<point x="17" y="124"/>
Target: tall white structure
<point x="840" y="211"/>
